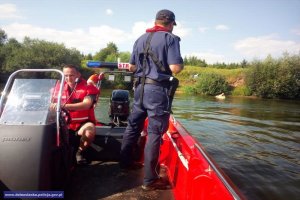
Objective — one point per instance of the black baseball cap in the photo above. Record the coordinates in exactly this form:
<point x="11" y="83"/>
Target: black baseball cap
<point x="166" y="15"/>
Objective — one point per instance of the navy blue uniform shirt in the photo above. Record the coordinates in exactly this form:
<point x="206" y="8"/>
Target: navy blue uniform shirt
<point x="166" y="47"/>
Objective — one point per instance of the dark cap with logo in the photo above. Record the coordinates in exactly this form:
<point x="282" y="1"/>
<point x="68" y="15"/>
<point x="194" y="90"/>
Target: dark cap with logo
<point x="166" y="15"/>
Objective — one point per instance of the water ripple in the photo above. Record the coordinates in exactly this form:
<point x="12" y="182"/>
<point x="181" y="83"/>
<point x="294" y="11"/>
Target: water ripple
<point x="255" y="141"/>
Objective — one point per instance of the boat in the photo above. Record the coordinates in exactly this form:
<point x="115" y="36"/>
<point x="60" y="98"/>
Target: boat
<point x="35" y="154"/>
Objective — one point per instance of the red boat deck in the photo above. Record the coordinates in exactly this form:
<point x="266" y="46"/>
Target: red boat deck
<point x="104" y="180"/>
<point x="192" y="174"/>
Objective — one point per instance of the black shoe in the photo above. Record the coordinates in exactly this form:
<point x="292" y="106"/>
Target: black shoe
<point x="81" y="160"/>
<point x="158" y="184"/>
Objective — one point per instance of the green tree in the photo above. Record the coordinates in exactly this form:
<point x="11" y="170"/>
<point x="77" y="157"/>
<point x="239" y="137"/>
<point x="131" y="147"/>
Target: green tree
<point x="124" y="56"/>
<point x="275" y="78"/>
<point x="88" y="57"/>
<point x="244" y="63"/>
<point x="10" y="52"/>
<point x="3" y="37"/>
<point x="225" y="66"/>
<point x="34" y="53"/>
<point x="108" y="54"/>
<point x="211" y="84"/>
<point x="194" y="61"/>
<point x="111" y="58"/>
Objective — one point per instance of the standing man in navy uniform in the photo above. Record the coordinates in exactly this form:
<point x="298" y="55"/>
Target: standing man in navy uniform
<point x="155" y="57"/>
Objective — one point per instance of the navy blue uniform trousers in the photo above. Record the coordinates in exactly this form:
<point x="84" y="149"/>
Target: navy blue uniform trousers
<point x="154" y="106"/>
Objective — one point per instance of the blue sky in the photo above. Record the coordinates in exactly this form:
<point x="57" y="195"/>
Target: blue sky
<point x="214" y="30"/>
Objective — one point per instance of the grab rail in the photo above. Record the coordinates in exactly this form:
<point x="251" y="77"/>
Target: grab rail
<point x="184" y="161"/>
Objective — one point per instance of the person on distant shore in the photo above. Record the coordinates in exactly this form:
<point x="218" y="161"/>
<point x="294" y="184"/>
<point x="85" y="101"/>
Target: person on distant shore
<point x="79" y="98"/>
<point x="155" y="57"/>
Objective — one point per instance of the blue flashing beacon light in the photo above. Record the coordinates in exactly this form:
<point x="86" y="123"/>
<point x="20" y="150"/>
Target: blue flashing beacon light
<point x="93" y="64"/>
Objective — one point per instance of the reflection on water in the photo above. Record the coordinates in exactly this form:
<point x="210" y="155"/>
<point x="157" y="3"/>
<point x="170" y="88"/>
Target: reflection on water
<point x="256" y="142"/>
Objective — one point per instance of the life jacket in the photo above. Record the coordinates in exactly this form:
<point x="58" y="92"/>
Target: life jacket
<point x="82" y="90"/>
<point x="93" y="79"/>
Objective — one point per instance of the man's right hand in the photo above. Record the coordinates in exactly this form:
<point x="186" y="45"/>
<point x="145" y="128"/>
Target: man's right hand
<point x="53" y="106"/>
<point x="176" y="68"/>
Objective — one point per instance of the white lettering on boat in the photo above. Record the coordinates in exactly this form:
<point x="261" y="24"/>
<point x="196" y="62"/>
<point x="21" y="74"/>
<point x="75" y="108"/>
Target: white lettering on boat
<point x="16" y="139"/>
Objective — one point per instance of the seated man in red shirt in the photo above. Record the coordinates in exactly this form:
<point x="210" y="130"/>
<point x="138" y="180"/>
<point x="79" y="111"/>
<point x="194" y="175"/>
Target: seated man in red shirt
<point x="79" y="99"/>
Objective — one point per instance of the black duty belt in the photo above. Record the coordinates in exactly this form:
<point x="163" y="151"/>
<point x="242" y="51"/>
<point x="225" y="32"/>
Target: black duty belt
<point x="138" y="80"/>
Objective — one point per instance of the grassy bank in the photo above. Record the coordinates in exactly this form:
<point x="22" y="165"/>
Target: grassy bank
<point x="234" y="77"/>
<point x="268" y="78"/>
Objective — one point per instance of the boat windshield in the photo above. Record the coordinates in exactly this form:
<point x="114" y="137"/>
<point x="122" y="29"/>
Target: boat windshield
<point x="28" y="103"/>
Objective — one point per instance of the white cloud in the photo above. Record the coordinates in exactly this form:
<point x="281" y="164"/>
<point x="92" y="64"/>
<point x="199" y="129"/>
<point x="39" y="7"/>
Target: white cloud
<point x="180" y="30"/>
<point x="222" y="27"/>
<point x="109" y="12"/>
<point x="262" y="46"/>
<point x="202" y="29"/>
<point x="87" y="41"/>
<point x="140" y="27"/>
<point x="8" y="11"/>
<point x="210" y="57"/>
<point x="296" y="31"/>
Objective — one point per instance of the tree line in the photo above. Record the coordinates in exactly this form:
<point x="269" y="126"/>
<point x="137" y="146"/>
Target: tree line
<point x="269" y="78"/>
<point x="195" y="61"/>
<point x="35" y="53"/>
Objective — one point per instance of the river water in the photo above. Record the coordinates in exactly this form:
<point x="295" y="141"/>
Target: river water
<point x="256" y="142"/>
